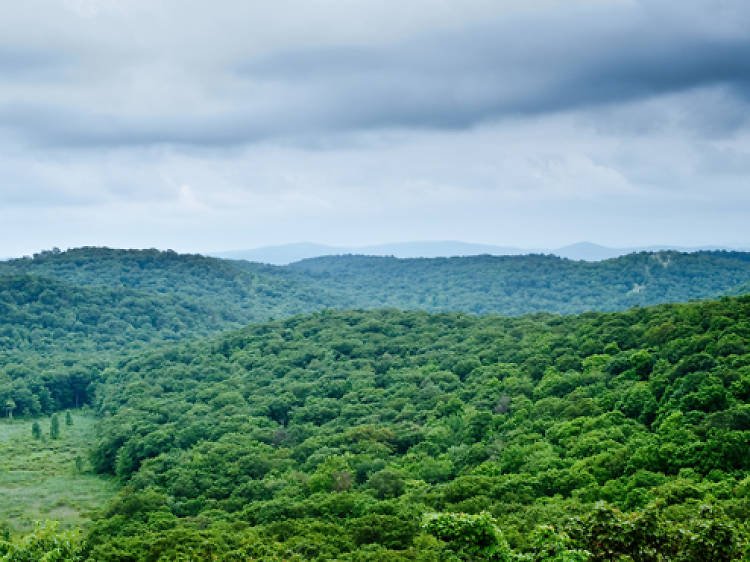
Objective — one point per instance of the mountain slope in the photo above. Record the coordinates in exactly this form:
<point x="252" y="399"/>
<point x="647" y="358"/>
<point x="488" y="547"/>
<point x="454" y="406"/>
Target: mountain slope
<point x="330" y="436"/>
<point x="521" y="284"/>
<point x="199" y="295"/>
<point x="57" y="338"/>
<point x="230" y="293"/>
<point x="64" y="317"/>
<point x="44" y="315"/>
<point x="241" y="294"/>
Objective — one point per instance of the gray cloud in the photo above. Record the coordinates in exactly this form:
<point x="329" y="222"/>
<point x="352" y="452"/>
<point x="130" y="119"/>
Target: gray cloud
<point x="572" y="57"/>
<point x="461" y="79"/>
<point x="19" y="64"/>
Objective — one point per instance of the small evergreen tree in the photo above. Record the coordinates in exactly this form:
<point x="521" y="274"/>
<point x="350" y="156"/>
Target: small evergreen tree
<point x="36" y="431"/>
<point x="54" y="427"/>
<point x="68" y="419"/>
<point x="10" y="405"/>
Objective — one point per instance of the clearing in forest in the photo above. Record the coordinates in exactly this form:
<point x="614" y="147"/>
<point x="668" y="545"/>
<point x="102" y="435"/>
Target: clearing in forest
<point x="49" y="479"/>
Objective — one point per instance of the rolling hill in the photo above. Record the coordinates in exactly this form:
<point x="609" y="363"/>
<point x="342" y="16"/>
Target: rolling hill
<point x="333" y="435"/>
<point x="165" y="295"/>
<point x="65" y="317"/>
<point x="358" y="434"/>
<point x="521" y="284"/>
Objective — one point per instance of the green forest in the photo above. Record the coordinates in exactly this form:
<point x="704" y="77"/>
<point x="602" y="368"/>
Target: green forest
<point x="360" y="408"/>
<point x="224" y="291"/>
<point x="512" y="285"/>
<point x="66" y="316"/>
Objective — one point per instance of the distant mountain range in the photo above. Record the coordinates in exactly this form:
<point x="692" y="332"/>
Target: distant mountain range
<point x="585" y="251"/>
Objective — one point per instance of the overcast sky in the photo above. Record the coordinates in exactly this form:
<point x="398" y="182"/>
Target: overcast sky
<point x="203" y="126"/>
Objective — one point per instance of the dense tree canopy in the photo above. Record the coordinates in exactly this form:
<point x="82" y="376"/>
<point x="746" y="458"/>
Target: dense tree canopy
<point x="216" y="287"/>
<point x="244" y="291"/>
<point x="426" y="433"/>
<point x="522" y="284"/>
<point x="65" y="315"/>
<point x="337" y="433"/>
<point x="47" y="315"/>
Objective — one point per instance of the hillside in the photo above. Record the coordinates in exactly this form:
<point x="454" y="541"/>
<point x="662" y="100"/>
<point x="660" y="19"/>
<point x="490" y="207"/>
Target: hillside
<point x="66" y="316"/>
<point x="230" y="293"/>
<point x="55" y="338"/>
<point x="240" y="294"/>
<point x="331" y="436"/>
<point x="48" y="315"/>
<point x="514" y="285"/>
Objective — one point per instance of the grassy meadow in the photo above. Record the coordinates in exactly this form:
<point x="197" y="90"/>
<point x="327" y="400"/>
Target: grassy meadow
<point x="40" y="478"/>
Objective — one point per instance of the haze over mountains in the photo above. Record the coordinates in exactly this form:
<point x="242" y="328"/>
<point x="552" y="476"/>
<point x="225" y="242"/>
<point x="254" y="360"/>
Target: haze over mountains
<point x="284" y="254"/>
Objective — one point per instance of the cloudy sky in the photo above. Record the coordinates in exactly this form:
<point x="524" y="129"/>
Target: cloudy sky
<point x="205" y="126"/>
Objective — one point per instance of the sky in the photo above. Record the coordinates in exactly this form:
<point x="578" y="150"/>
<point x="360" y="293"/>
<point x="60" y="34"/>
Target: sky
<point x="208" y="126"/>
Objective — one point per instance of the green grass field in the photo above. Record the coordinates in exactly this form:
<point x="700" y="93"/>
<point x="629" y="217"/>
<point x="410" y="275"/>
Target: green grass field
<point x="40" y="478"/>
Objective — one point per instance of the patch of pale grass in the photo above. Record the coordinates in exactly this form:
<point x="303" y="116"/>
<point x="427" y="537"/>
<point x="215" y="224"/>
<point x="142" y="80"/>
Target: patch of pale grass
<point x="39" y="479"/>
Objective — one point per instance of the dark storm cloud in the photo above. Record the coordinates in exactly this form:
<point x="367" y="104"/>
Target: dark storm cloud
<point x="568" y="58"/>
<point x="461" y="79"/>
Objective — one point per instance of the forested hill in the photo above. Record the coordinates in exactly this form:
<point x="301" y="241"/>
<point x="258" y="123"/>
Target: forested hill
<point x="106" y="300"/>
<point x="48" y="315"/>
<point x="520" y="284"/>
<point x="335" y="435"/>
<point x="240" y="294"/>
<point x="395" y="434"/>
<point x="64" y="316"/>
<point x="56" y="338"/>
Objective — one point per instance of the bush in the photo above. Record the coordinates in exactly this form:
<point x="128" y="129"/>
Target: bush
<point x="44" y="543"/>
<point x="469" y="537"/>
<point x="387" y="483"/>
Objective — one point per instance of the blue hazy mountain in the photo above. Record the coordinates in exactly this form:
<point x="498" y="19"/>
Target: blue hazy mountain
<point x="586" y="251"/>
<point x="289" y="253"/>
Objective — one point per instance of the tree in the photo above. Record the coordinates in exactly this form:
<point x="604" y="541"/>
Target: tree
<point x="54" y="427"/>
<point x="387" y="483"/>
<point x="10" y="405"/>
<point x="469" y="537"/>
<point x="36" y="432"/>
